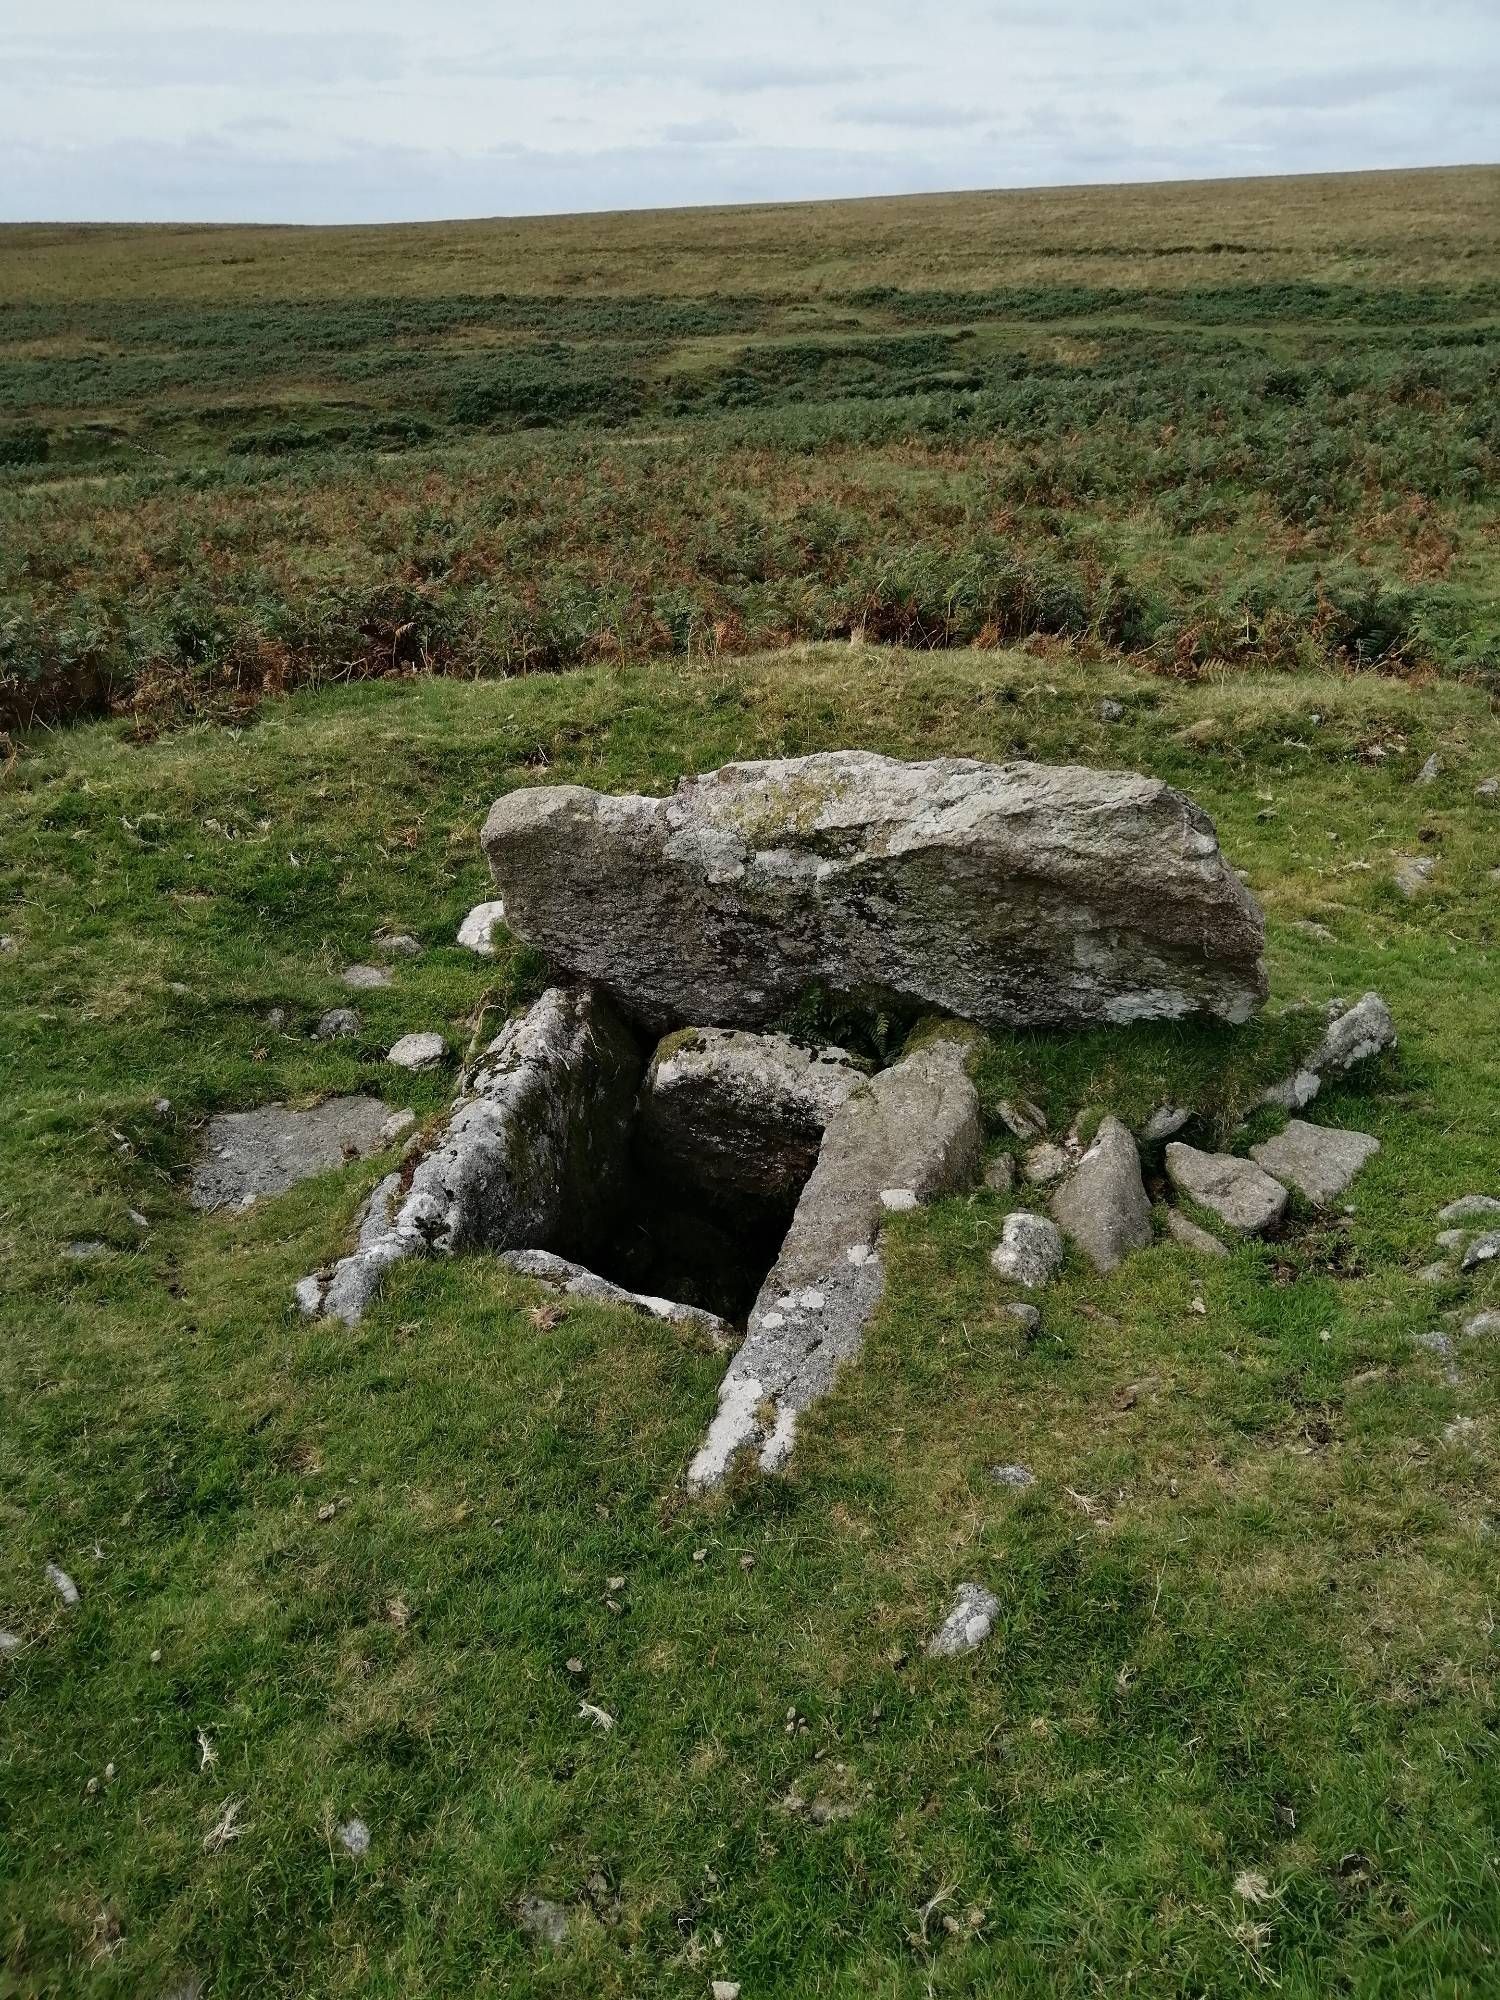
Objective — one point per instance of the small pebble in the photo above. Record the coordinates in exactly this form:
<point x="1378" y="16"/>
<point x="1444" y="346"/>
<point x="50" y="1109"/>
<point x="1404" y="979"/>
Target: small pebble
<point x="10" y="1642"/>
<point x="1012" y="1475"/>
<point x="356" y="1837"/>
<point x="402" y="946"/>
<point x="338" y="1024"/>
<point x="365" y="978"/>
<point x="62" y="1583"/>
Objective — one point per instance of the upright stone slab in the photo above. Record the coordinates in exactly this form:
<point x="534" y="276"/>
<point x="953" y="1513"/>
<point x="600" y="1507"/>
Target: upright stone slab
<point x="1102" y="1205"/>
<point x="1015" y="894"/>
<point x="914" y="1128"/>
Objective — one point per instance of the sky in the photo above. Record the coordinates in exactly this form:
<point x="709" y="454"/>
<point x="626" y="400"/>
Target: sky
<point x="397" y="110"/>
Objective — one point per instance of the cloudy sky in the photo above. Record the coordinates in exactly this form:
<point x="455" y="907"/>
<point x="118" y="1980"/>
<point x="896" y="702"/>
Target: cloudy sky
<point x="356" y="110"/>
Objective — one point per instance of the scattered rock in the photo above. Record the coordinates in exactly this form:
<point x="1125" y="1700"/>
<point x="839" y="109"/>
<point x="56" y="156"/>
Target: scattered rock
<point x="1429" y="771"/>
<point x="1030" y="1250"/>
<point x="1012" y="1475"/>
<point x="1413" y="874"/>
<point x="1318" y="1159"/>
<point x="161" y="1107"/>
<point x="1483" y="1250"/>
<point x="424" y="1051"/>
<point x="1482" y="1325"/>
<point x="85" y="1250"/>
<point x="1309" y="928"/>
<point x="1470" y="1208"/>
<point x="1000" y="1173"/>
<point x="1165" y="1123"/>
<point x="476" y="932"/>
<point x="339" y="1024"/>
<point x="915" y="1126"/>
<point x="247" y="1154"/>
<point x="1449" y="1240"/>
<point x="723" y="1989"/>
<point x="355" y="1837"/>
<point x="1191" y="1237"/>
<point x="63" y="1584"/>
<point x="1028" y="1316"/>
<point x="580" y="1283"/>
<point x="537" y="1143"/>
<point x="968" y="1624"/>
<point x="547" y="1922"/>
<point x="1487" y="791"/>
<point x="1235" y="1190"/>
<point x="741" y="1116"/>
<point x="1434" y="1274"/>
<point x="10" y="1642"/>
<point x="1354" y="1035"/>
<point x="8" y="944"/>
<point x="1021" y="1118"/>
<point x="396" y="1126"/>
<point x="276" y="1021"/>
<point x="1102" y="1205"/>
<point x="401" y="946"/>
<point x="1017" y="894"/>
<point x="1046" y="1163"/>
<point x="1110" y="711"/>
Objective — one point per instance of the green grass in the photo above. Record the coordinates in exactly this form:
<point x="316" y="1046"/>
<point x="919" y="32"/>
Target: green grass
<point x="1246" y="1618"/>
<point x="1250" y="423"/>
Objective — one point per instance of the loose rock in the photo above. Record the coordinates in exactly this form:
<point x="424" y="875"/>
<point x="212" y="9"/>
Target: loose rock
<point x="1236" y="1190"/>
<point x="1470" y="1208"/>
<point x="247" y="1154"/>
<point x="1046" y="1163"/>
<point x="578" y="1282"/>
<point x="1102" y="1205"/>
<point x="1021" y="1118"/>
<point x="1165" y="1123"/>
<point x="401" y="946"/>
<point x="1030" y="1250"/>
<point x="1482" y="1326"/>
<point x="1012" y="1475"/>
<point x="355" y="1837"/>
<point x="1429" y="771"/>
<point x="1487" y="791"/>
<point x="10" y="1642"/>
<point x="968" y="1624"/>
<point x="543" y="1920"/>
<point x="365" y="978"/>
<point x="1483" y="1250"/>
<point x="418" y="1052"/>
<point x="1318" y="1159"/>
<point x="476" y="932"/>
<point x="1191" y="1237"/>
<point x="339" y="1024"/>
<point x="86" y="1250"/>
<point x="1414" y="874"/>
<point x="1000" y="1173"/>
<point x="1110" y="711"/>
<point x="1019" y="894"/>
<point x="1354" y="1035"/>
<point x="63" y="1584"/>
<point x="1028" y="1316"/>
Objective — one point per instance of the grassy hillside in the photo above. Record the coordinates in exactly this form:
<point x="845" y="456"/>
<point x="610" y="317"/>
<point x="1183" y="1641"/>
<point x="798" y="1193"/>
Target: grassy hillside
<point x="1235" y="1732"/>
<point x="1233" y="423"/>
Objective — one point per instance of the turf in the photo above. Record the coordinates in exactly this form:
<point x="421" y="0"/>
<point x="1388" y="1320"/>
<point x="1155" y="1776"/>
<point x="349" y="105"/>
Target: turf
<point x="1236" y="1729"/>
<point x="1242" y="423"/>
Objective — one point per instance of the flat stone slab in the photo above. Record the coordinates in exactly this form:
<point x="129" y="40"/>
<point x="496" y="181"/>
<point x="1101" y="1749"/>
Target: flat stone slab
<point x="244" y="1155"/>
<point x="1237" y="1191"/>
<point x="1318" y="1159"/>
<point x="1016" y="894"/>
<point x="1102" y="1205"/>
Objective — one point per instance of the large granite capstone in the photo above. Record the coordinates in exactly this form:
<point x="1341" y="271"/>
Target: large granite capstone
<point x="1014" y="894"/>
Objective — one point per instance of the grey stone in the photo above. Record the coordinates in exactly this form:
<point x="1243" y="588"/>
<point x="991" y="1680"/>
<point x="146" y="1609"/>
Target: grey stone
<point x="1165" y="1123"/>
<point x="1000" y="1173"/>
<point x="1318" y="1159"/>
<point x="1028" y="1316"/>
<point x="1483" y="1250"/>
<point x="741" y="1115"/>
<point x="1434" y="1274"/>
<point x="1237" y="1191"/>
<point x="1413" y="874"/>
<point x="1018" y="894"/>
<point x="476" y="932"/>
<point x="1191" y="1237"/>
<point x="1354" y="1035"/>
<point x="1429" y="771"/>
<point x="354" y="1836"/>
<point x="11" y="1642"/>
<point x="1012" y="1475"/>
<point x="1021" y="1118"/>
<point x="968" y="1624"/>
<point x="1470" y="1208"/>
<point x="397" y="1126"/>
<point x="1483" y="1325"/>
<point x="1449" y="1240"/>
<point x="63" y="1584"/>
<point x="540" y="1919"/>
<point x="1102" y="1205"/>
<point x="421" y="1051"/>
<point x="308" y="1292"/>
<point x="535" y="1147"/>
<point x="562" y="1275"/>
<point x="1030" y="1250"/>
<point x="1110" y="711"/>
<point x="276" y="1020"/>
<point x="1046" y="1163"/>
<point x="9" y="943"/>
<point x="915" y="1125"/>
<point x="86" y="1250"/>
<point x="244" y="1155"/>
<point x="1487" y="791"/>
<point x="401" y="946"/>
<point x="338" y="1024"/>
<point x="365" y="978"/>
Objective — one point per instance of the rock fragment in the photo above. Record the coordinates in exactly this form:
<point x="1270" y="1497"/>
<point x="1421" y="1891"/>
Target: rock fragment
<point x="1317" y="1159"/>
<point x="63" y="1584"/>
<point x="1430" y="770"/>
<point x="562" y="1275"/>
<point x="546" y="1921"/>
<point x="1354" y="1035"/>
<point x="1046" y="1163"/>
<point x="1021" y="1118"/>
<point x="1191" y="1237"/>
<point x="418" y="1052"/>
<point x="1000" y="1173"/>
<point x="1413" y="874"/>
<point x="1483" y="1250"/>
<point x="1470" y="1208"/>
<point x="365" y="978"/>
<point x="339" y="1024"/>
<point x="476" y="932"/>
<point x="1030" y="1250"/>
<point x="1237" y="1191"/>
<point x="1165" y="1123"/>
<point x="968" y="1624"/>
<point x="1102" y="1205"/>
<point x="354" y="1837"/>
<point x="1017" y="1476"/>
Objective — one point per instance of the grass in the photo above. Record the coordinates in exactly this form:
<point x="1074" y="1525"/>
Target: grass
<point x="1245" y="423"/>
<point x="1235" y="1732"/>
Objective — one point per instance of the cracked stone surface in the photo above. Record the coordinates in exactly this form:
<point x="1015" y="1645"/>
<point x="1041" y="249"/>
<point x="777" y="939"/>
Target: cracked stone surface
<point x="1318" y="1159"/>
<point x="1237" y="1191"/>
<point x="1102" y="1205"/>
<point x="968" y="1624"/>
<point x="1017" y="894"/>
<point x="738" y="1115"/>
<point x="578" y="1282"/>
<point x="536" y="1143"/>
<point x="914" y="1126"/>
<point x="1030" y="1250"/>
<point x="245" y="1155"/>
<point x="1354" y="1035"/>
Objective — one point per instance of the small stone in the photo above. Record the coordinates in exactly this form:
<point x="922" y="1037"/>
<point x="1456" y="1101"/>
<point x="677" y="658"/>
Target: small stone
<point x="161" y="1107"/>
<point x="1482" y="1326"/>
<point x="1309" y="928"/>
<point x="1483" y="1250"/>
<point x="1429" y="771"/>
<point x="1030" y="1250"/>
<point x="1433" y="1274"/>
<point x="1449" y="1240"/>
<point x="1102" y="1205"/>
<point x="418" y="1052"/>
<point x="1164" y="1123"/>
<point x="1317" y="1159"/>
<point x="338" y="1024"/>
<point x="86" y="1250"/>
<point x="156" y="1656"/>
<point x="1046" y="1163"/>
<point x="1470" y="1208"/>
<point x="1028" y="1317"/>
<point x="397" y="1126"/>
<point x="724" y="1989"/>
<point x="543" y="1920"/>
<point x="1000" y="1173"/>
<point x="401" y="946"/>
<point x="476" y="932"/>
<point x="1236" y="1190"/>
<point x="1021" y="1118"/>
<point x="1012" y="1475"/>
<point x="1487" y="791"/>
<point x="8" y="944"/>
<point x="308" y="1292"/>
<point x="1110" y="711"/>
<point x="355" y="1836"/>
<point x="276" y="1020"/>
<point x="10" y="1642"/>
<point x="1460" y="1430"/>
<point x="62" y="1583"/>
<point x="365" y="978"/>
<point x="968" y="1624"/>
<point x="1413" y="874"/>
<point x="897" y="1201"/>
<point x="1191" y="1237"/>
